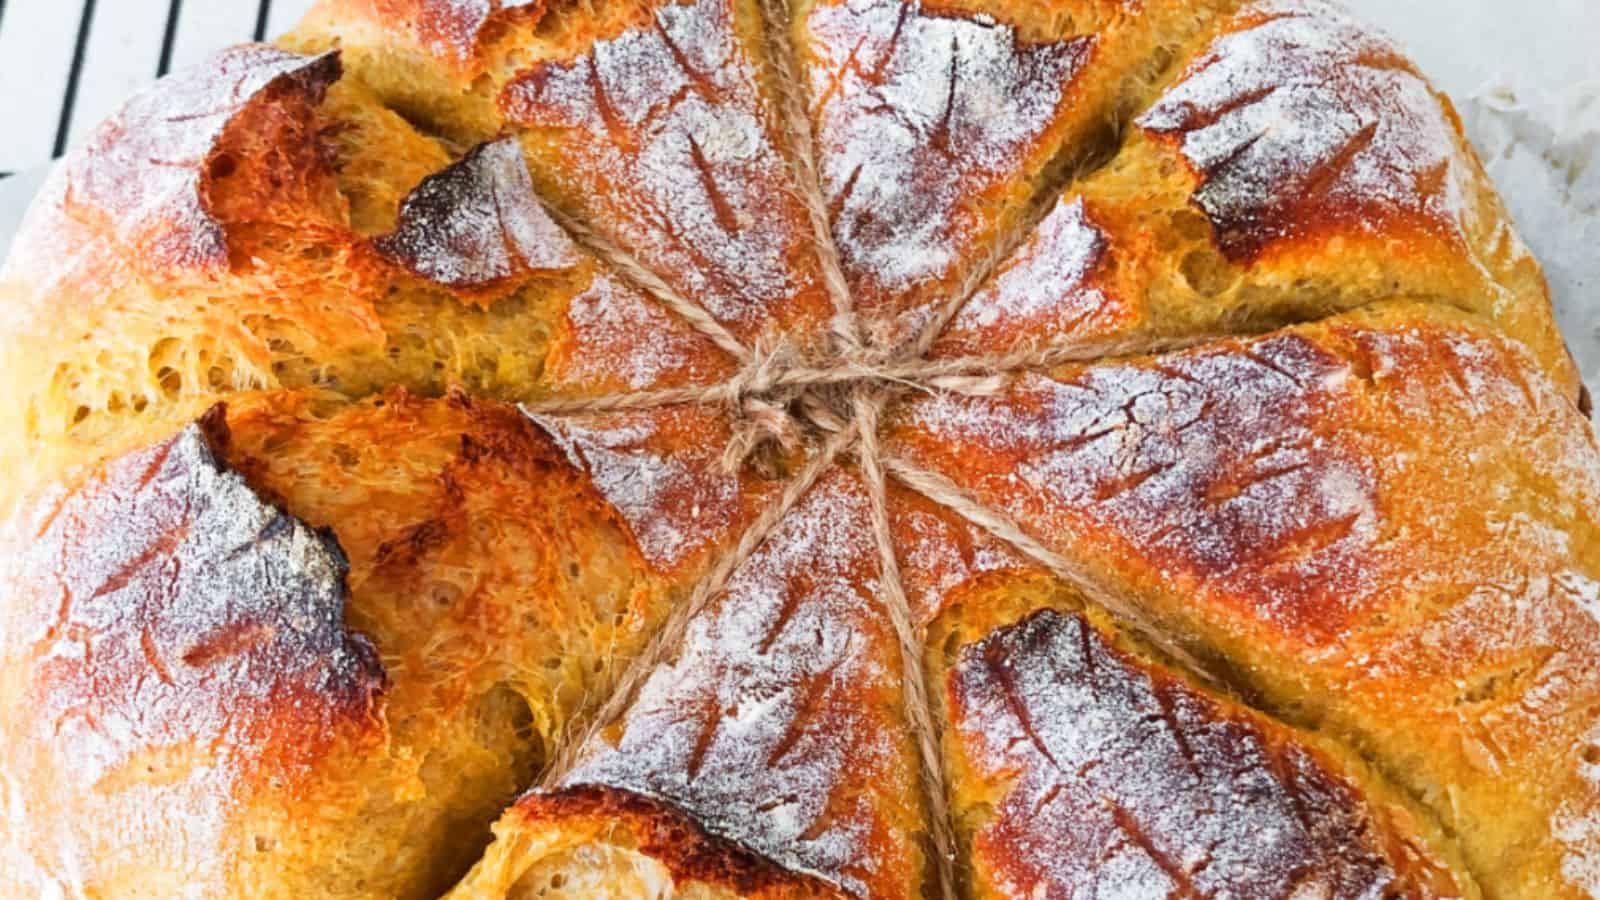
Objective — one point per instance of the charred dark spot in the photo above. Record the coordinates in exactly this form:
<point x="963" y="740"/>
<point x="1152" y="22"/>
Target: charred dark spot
<point x="477" y="224"/>
<point x="673" y="838"/>
<point x="223" y="165"/>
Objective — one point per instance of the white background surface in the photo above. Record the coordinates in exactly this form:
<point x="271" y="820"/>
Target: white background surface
<point x="125" y="44"/>
<point x="1525" y="76"/>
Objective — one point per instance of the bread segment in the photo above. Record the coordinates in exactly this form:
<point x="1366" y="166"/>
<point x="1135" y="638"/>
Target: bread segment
<point x="254" y="747"/>
<point x="558" y="321"/>
<point x="1115" y="775"/>
<point x="1079" y="761"/>
<point x="907" y="161"/>
<point x="777" y="726"/>
<point x="189" y="641"/>
<point x="1384" y="525"/>
<point x="208" y="187"/>
<point x="663" y="138"/>
<point x="662" y="471"/>
<point x="456" y="34"/>
<point x="937" y="124"/>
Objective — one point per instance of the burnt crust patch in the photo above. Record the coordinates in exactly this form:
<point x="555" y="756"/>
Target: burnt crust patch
<point x="478" y="225"/>
<point x="672" y="837"/>
<point x="166" y="605"/>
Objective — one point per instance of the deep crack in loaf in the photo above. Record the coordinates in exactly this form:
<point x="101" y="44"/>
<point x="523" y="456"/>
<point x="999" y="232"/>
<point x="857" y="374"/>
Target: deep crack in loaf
<point x="792" y="448"/>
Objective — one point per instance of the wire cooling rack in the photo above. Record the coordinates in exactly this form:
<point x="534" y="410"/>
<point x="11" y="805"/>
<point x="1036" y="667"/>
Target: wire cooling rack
<point x="67" y="64"/>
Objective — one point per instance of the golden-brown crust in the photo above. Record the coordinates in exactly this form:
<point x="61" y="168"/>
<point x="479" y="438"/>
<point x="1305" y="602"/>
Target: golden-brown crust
<point x="1310" y="502"/>
<point x="168" y="628"/>
<point x="1262" y="393"/>
<point x="452" y="33"/>
<point x="142" y="182"/>
<point x="293" y="293"/>
<point x="918" y="192"/>
<point x="148" y="535"/>
<point x="184" y="228"/>
<point x="941" y="556"/>
<point x="1058" y="288"/>
<point x="1172" y="791"/>
<point x="662" y="471"/>
<point x="662" y="137"/>
<point x="925" y="179"/>
<point x="477" y="229"/>
<point x="1298" y="166"/>
<point x="1295" y="167"/>
<point x="1273" y="443"/>
<point x="177" y="188"/>
<point x="613" y="339"/>
<point x="670" y="836"/>
<point x="1360" y="103"/>
<point x="501" y="589"/>
<point x="779" y="722"/>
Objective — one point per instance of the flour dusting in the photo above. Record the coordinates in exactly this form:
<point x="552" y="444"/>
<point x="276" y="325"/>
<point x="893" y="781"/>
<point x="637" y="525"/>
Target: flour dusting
<point x="1046" y="293"/>
<point x="769" y="727"/>
<point x="664" y="134"/>
<point x="1304" y="113"/>
<point x="921" y="114"/>
<point x="478" y="222"/>
<point x="1126" y="782"/>
<point x="661" y="470"/>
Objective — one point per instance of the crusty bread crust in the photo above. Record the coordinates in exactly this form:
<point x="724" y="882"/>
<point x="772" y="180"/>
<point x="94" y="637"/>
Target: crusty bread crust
<point x="1309" y="508"/>
<point x="552" y="343"/>
<point x="559" y="820"/>
<point x="1177" y="774"/>
<point x="457" y="524"/>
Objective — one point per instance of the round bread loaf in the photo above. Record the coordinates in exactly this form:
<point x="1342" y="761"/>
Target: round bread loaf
<point x="510" y="449"/>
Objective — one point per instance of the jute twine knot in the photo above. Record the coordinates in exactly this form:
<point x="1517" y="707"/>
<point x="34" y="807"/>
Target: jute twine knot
<point x="780" y="399"/>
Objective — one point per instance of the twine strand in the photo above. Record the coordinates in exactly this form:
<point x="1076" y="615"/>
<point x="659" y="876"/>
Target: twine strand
<point x="794" y="106"/>
<point x="667" y="639"/>
<point x="946" y="493"/>
<point x="633" y="271"/>
<point x="919" y="707"/>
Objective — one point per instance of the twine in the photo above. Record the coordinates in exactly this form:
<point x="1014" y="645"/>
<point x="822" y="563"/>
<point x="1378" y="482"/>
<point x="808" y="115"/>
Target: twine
<point x="919" y="708"/>
<point x="778" y="397"/>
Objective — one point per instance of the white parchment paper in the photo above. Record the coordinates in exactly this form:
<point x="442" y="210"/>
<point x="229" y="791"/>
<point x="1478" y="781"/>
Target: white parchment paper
<point x="1526" y="78"/>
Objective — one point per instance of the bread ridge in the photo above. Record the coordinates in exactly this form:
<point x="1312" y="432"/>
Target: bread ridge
<point x="984" y="607"/>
